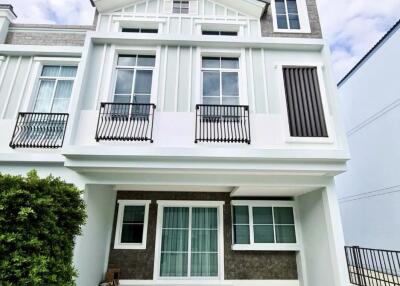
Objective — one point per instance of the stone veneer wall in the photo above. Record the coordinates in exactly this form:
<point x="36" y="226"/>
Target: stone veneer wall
<point x="47" y="35"/>
<point x="267" y="28"/>
<point x="239" y="265"/>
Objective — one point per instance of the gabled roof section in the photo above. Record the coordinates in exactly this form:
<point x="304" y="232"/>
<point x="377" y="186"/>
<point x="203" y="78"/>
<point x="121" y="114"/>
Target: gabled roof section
<point x="371" y="52"/>
<point x="249" y="7"/>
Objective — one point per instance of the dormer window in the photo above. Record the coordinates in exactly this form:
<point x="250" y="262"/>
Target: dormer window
<point x="287" y="14"/>
<point x="180" y="7"/>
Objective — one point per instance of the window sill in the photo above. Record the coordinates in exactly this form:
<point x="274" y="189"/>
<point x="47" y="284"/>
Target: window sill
<point x="310" y="140"/>
<point x="292" y="31"/>
<point x="130" y="246"/>
<point x="267" y="247"/>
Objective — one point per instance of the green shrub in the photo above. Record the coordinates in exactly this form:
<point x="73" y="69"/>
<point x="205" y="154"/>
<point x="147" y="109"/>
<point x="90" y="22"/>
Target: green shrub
<point x="39" y="219"/>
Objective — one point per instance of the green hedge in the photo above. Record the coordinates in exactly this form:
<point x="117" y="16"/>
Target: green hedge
<point x="39" y="219"/>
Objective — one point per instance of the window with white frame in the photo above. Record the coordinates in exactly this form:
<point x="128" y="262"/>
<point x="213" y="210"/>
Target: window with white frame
<point x="134" y="77"/>
<point x="190" y="245"/>
<point x="55" y="89"/>
<point x="287" y="14"/>
<point x="220" y="80"/>
<point x="131" y="231"/>
<point x="219" y="33"/>
<point x="263" y="224"/>
<point x="140" y="30"/>
<point x="180" y="7"/>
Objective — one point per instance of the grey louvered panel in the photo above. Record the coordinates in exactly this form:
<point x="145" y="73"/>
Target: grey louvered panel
<point x="304" y="104"/>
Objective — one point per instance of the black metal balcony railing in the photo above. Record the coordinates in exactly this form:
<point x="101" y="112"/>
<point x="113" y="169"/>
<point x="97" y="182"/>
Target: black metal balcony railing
<point x="39" y="130"/>
<point x="370" y="267"/>
<point x="125" y="122"/>
<point x="222" y="123"/>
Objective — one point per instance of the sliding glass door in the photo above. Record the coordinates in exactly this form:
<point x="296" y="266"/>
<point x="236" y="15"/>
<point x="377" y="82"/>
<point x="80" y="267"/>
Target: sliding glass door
<point x="189" y="243"/>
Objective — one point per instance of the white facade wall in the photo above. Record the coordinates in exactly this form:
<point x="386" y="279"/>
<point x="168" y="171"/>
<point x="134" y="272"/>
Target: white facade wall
<point x="369" y="192"/>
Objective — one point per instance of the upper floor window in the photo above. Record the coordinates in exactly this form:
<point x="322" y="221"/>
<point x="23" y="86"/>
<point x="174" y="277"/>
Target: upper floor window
<point x="139" y="30"/>
<point x="180" y="7"/>
<point x="55" y="89"/>
<point x="220" y="80"/>
<point x="219" y="33"/>
<point x="134" y="78"/>
<point x="287" y="14"/>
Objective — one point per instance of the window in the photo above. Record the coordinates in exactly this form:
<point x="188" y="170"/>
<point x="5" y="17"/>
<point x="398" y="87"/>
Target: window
<point x="134" y="79"/>
<point x="220" y="80"/>
<point x="131" y="231"/>
<point x="263" y="225"/>
<point x="190" y="245"/>
<point x="139" y="30"/>
<point x="180" y="7"/>
<point x="219" y="33"/>
<point x="287" y="14"/>
<point x="304" y="104"/>
<point x="55" y="88"/>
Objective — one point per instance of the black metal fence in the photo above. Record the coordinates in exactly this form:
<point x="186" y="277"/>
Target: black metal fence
<point x="39" y="130"/>
<point x="370" y="267"/>
<point x="125" y="122"/>
<point x="222" y="123"/>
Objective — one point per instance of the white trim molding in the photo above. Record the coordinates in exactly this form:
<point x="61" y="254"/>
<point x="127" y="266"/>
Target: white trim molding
<point x="118" y="231"/>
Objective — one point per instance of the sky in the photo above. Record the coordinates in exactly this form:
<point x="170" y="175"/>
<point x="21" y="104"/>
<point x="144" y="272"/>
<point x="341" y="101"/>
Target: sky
<point x="351" y="27"/>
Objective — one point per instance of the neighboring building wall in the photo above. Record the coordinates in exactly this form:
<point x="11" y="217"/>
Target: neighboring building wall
<point x="47" y="35"/>
<point x="239" y="265"/>
<point x="267" y="28"/>
<point x="370" y="191"/>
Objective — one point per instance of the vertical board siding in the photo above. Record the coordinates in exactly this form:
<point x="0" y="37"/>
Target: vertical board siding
<point x="304" y="103"/>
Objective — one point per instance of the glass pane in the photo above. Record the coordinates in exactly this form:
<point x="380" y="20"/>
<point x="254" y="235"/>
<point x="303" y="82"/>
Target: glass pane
<point x="284" y="215"/>
<point x="127" y="61"/>
<point x="185" y="11"/>
<point x="176" y="10"/>
<point x="280" y="6"/>
<point x="64" y="89"/>
<point x="264" y="234"/>
<point x="211" y="100"/>
<point x="240" y="215"/>
<point x="230" y="63"/>
<point x="230" y="100"/>
<point x="146" y="61"/>
<point x="174" y="265"/>
<point x="262" y="215"/>
<point x="134" y="214"/>
<point x="205" y="240"/>
<point x="211" y="63"/>
<point x="229" y="34"/>
<point x="45" y="94"/>
<point x="204" y="218"/>
<point x="68" y="71"/>
<point x="143" y="81"/>
<point x="60" y="105"/>
<point x="124" y="82"/>
<point x="292" y="6"/>
<point x="185" y="4"/>
<point x="130" y="30"/>
<point x="141" y="99"/>
<point x="211" y="84"/>
<point x="52" y="71"/>
<point x="282" y="23"/>
<point x="204" y="265"/>
<point x="285" y="234"/>
<point x="175" y="240"/>
<point x="176" y="218"/>
<point x="212" y="33"/>
<point x="230" y="83"/>
<point x="241" y="234"/>
<point x="294" y="22"/>
<point x="132" y="233"/>
<point x="122" y="99"/>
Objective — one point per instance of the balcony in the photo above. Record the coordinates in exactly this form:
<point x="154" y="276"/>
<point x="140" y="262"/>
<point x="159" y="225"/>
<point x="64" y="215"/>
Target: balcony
<point x="222" y="123"/>
<point x="125" y="122"/>
<point x="39" y="130"/>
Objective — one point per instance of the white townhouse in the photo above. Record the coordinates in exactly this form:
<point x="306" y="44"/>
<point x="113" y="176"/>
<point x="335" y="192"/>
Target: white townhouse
<point x="205" y="134"/>
<point x="369" y="193"/>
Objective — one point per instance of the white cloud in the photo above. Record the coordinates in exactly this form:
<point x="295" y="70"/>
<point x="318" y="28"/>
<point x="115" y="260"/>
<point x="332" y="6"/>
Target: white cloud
<point x="352" y="27"/>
